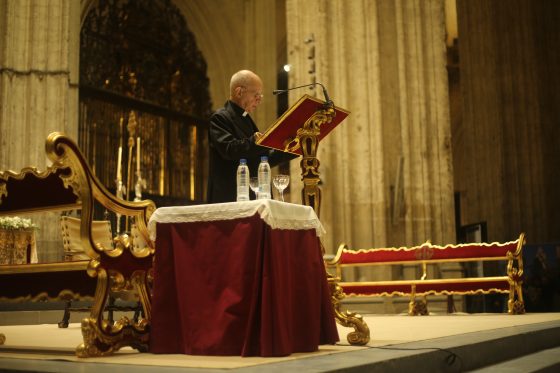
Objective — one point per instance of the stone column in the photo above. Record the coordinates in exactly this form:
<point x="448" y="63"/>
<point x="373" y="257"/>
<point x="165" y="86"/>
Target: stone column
<point x="510" y="72"/>
<point x="39" y="50"/>
<point x="386" y="170"/>
<point x="261" y="55"/>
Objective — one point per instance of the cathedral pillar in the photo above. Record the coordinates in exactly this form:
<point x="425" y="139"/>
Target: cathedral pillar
<point x="509" y="76"/>
<point x="386" y="171"/>
<point x="39" y="46"/>
<point x="39" y="52"/>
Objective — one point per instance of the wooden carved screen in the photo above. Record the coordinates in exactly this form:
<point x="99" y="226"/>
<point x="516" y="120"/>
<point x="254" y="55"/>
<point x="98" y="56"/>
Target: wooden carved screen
<point x="138" y="56"/>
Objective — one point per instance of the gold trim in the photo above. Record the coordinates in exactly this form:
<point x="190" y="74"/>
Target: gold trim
<point x="427" y="261"/>
<point x="428" y="282"/>
<point x="5" y="175"/>
<point x="343" y="248"/>
<point x="43" y="209"/>
<point x="43" y="267"/>
<point x="429" y="292"/>
<point x="65" y="294"/>
<point x="9" y="174"/>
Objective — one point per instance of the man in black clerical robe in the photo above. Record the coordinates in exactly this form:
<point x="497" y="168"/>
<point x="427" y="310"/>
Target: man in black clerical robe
<point x="232" y="136"/>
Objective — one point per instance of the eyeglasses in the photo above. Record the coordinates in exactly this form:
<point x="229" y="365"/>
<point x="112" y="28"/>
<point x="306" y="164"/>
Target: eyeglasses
<point x="257" y="94"/>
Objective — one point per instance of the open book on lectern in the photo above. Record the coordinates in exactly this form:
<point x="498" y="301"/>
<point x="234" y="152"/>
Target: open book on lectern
<point x="284" y="131"/>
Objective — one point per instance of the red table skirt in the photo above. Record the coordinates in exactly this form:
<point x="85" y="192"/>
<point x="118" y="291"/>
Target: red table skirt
<point x="239" y="287"/>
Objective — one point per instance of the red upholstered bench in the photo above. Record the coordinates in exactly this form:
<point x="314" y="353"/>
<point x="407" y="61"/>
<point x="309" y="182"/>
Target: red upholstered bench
<point x="510" y="253"/>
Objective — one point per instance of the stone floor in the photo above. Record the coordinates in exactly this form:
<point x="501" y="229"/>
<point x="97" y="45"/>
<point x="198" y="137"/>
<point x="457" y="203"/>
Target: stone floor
<point x="435" y="343"/>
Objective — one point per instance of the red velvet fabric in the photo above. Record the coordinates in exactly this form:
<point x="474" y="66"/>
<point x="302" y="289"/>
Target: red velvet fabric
<point x="238" y="287"/>
<point x="465" y="251"/>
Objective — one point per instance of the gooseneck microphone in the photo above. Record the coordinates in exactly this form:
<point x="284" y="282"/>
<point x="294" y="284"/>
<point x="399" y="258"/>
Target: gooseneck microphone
<point x="281" y="91"/>
<point x="325" y="94"/>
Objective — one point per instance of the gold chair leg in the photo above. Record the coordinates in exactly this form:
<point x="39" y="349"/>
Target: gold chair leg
<point x="103" y="338"/>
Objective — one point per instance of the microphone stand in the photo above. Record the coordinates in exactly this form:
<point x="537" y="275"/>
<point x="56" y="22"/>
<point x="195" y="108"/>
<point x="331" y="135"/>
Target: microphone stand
<point x="328" y="101"/>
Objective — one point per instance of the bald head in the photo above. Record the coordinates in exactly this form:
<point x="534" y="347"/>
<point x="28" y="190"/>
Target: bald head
<point x="245" y="89"/>
<point x="243" y="78"/>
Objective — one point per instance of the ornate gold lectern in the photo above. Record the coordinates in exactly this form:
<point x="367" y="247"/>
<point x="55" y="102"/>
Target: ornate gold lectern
<point x="299" y="131"/>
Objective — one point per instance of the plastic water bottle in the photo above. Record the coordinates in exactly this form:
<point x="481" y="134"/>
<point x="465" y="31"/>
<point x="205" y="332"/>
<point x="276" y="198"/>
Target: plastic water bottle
<point x="264" y="178"/>
<point x="242" y="181"/>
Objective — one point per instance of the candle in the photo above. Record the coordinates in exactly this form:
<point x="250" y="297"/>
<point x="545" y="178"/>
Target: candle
<point x="119" y="158"/>
<point x="138" y="155"/>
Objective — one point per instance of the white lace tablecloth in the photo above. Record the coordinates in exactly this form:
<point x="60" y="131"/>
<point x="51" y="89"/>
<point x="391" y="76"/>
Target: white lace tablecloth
<point x="278" y="215"/>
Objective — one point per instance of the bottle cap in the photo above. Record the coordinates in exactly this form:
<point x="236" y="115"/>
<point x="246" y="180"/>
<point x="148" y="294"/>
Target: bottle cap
<point x="243" y="161"/>
<point x="264" y="158"/>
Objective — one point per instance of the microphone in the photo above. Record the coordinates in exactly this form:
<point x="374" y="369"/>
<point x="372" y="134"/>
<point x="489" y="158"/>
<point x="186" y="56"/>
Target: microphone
<point x="325" y="94"/>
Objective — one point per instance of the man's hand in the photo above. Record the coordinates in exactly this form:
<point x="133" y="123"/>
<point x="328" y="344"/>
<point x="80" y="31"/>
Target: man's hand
<point x="258" y="135"/>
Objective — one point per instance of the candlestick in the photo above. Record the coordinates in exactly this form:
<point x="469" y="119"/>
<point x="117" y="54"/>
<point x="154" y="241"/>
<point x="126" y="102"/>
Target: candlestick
<point x="121" y="131"/>
<point x="138" y="155"/>
<point x="119" y="159"/>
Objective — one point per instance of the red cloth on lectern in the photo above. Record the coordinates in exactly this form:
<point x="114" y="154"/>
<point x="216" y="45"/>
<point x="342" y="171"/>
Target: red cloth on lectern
<point x="239" y="287"/>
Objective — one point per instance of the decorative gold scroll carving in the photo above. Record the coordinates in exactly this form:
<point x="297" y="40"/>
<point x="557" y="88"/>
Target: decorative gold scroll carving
<point x="516" y="305"/>
<point x="360" y="336"/>
<point x="101" y="337"/>
<point x="308" y="138"/>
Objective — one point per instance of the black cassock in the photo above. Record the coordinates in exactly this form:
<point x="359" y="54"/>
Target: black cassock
<point x="232" y="137"/>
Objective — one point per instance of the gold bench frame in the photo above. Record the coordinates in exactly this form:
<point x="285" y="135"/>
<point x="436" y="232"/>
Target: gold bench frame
<point x="513" y="277"/>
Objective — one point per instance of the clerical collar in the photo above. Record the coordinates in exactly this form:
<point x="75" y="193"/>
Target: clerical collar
<point x="238" y="109"/>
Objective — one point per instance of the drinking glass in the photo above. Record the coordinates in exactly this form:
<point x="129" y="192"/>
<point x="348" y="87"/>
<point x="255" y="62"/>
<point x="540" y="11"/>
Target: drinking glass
<point x="254" y="184"/>
<point x="281" y="182"/>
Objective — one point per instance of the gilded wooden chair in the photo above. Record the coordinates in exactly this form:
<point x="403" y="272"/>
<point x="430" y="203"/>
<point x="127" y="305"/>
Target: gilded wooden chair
<point x="70" y="184"/>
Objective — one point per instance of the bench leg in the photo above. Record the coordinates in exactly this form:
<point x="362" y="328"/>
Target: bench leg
<point x="516" y="306"/>
<point x="412" y="302"/>
<point x="66" y="317"/>
<point x="418" y="307"/>
<point x="450" y="304"/>
<point x="415" y="307"/>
